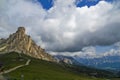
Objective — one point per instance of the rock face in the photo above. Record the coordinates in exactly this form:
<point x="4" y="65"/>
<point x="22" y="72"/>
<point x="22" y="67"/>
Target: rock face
<point x="68" y="61"/>
<point x="22" y="43"/>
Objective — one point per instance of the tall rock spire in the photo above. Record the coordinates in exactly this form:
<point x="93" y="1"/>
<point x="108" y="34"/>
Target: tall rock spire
<point x="22" y="43"/>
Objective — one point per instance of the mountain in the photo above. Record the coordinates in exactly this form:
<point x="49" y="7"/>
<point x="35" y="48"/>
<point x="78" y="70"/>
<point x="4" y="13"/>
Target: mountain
<point x="105" y="62"/>
<point x="22" y="43"/>
<point x="102" y="57"/>
<point x="22" y="59"/>
<point x="44" y="70"/>
<point x="105" y="57"/>
<point x="67" y="60"/>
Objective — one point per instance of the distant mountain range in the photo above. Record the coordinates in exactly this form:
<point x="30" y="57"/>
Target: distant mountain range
<point x="108" y="59"/>
<point x="107" y="62"/>
<point x="110" y="63"/>
<point x="105" y="57"/>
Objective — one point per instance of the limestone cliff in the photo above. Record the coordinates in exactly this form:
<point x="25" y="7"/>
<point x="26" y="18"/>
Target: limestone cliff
<point x="22" y="43"/>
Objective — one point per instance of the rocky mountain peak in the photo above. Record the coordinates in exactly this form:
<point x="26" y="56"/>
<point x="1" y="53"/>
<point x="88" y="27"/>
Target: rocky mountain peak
<point x="21" y="30"/>
<point x="22" y="43"/>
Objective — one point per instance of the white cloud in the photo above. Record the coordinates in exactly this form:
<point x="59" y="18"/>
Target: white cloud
<point x="92" y="52"/>
<point x="64" y="27"/>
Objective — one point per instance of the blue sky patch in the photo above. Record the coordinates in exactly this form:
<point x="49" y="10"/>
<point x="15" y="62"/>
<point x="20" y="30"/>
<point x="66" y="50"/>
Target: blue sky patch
<point x="47" y="4"/>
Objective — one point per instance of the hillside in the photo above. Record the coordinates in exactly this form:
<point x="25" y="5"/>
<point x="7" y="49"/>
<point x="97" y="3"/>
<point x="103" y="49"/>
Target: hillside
<point x="40" y="70"/>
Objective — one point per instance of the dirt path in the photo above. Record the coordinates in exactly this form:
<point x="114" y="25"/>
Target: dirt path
<point x="14" y="68"/>
<point x="28" y="62"/>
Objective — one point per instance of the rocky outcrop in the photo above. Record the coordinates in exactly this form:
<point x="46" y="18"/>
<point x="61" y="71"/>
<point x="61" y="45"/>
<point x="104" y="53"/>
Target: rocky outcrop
<point x="68" y="61"/>
<point x="65" y="59"/>
<point x="22" y="43"/>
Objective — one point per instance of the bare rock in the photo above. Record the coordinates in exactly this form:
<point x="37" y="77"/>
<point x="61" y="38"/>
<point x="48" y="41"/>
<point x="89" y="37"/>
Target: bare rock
<point x="22" y="43"/>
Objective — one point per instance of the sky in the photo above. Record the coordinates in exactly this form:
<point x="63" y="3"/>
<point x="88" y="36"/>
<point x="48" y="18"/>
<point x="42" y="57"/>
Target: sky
<point x="63" y="25"/>
<point x="47" y="4"/>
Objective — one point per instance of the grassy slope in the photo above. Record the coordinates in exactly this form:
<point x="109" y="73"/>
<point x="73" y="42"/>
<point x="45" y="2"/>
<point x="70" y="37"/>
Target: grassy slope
<point x="11" y="60"/>
<point x="40" y="70"/>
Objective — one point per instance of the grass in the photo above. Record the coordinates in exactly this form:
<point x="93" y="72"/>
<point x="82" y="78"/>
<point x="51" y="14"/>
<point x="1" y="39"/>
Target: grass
<point x="11" y="60"/>
<point x="40" y="70"/>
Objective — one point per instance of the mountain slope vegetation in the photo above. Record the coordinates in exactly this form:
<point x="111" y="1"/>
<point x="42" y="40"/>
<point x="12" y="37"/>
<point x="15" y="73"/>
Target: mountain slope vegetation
<point x="45" y="70"/>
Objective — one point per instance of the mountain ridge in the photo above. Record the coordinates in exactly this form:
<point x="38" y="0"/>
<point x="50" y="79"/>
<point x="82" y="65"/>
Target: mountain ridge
<point x="22" y="43"/>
